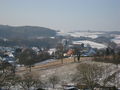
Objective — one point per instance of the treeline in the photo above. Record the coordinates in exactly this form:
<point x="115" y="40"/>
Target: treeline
<point x="25" y="31"/>
<point x="29" y="57"/>
<point x="44" y="42"/>
<point x="108" y="56"/>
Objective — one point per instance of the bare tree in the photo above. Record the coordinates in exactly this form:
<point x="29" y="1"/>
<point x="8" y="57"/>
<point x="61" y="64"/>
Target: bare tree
<point x="10" y="81"/>
<point x="88" y="74"/>
<point x="110" y="78"/>
<point x="60" y="52"/>
<point x="54" y="80"/>
<point x="77" y="54"/>
<point x="5" y="72"/>
<point x="27" y="58"/>
<point x="28" y="80"/>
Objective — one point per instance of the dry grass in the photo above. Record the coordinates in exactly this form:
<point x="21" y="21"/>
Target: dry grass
<point x="53" y="64"/>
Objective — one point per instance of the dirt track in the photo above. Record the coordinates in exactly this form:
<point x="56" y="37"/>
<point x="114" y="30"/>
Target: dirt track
<point x="53" y="64"/>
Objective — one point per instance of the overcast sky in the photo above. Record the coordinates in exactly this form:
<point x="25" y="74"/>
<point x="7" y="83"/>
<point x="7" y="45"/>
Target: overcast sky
<point x="65" y="15"/>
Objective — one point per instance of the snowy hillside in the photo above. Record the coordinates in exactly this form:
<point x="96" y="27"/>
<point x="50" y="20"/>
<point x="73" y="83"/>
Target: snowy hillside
<point x="95" y="39"/>
<point x="92" y="44"/>
<point x="116" y="39"/>
<point x="81" y="34"/>
<point x="85" y="34"/>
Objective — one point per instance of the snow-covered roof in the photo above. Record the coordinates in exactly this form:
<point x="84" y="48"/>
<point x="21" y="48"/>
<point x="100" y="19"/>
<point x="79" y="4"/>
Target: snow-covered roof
<point x="50" y="51"/>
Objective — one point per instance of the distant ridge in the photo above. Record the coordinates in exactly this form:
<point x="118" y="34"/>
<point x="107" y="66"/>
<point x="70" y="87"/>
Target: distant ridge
<point x="25" y="31"/>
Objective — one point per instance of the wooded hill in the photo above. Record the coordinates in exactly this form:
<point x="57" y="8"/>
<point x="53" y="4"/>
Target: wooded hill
<point x="25" y="31"/>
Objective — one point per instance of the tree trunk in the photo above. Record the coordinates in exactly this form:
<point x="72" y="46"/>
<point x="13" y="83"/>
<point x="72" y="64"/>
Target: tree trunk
<point x="62" y="60"/>
<point x="53" y="86"/>
<point x="74" y="59"/>
<point x="29" y="68"/>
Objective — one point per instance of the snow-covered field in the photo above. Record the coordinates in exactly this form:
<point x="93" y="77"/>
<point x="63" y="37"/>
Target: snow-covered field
<point x="66" y="72"/>
<point x="92" y="35"/>
<point x="85" y="34"/>
<point x="116" y="39"/>
<point x="92" y="44"/>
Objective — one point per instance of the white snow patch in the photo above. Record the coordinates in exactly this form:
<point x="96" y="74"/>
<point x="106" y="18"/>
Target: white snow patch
<point x="52" y="37"/>
<point x="62" y="34"/>
<point x="52" y="50"/>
